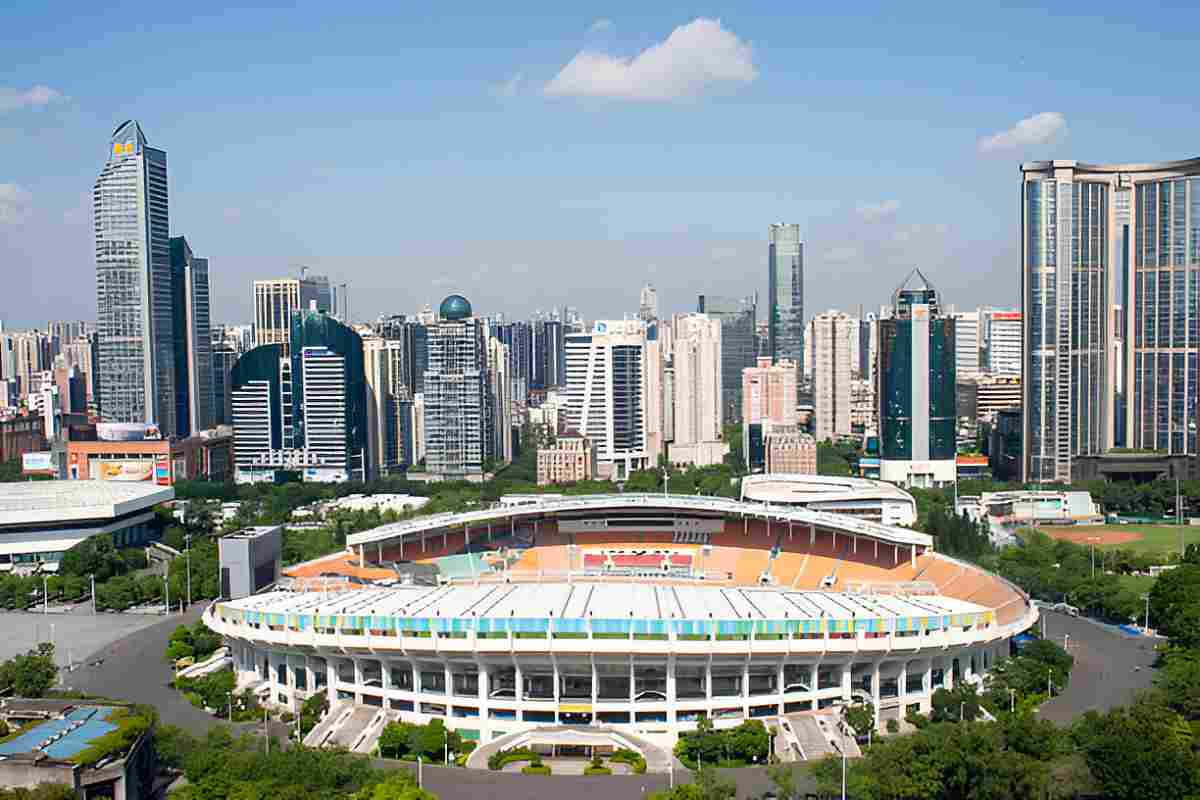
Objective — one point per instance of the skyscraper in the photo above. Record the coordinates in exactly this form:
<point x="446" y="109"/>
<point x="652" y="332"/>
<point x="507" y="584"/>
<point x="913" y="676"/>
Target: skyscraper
<point x="785" y="293"/>
<point x="916" y="388"/>
<point x="606" y="394"/>
<point x="276" y="301"/>
<point x="967" y="342"/>
<point x="1068" y="281"/>
<point x="549" y="358"/>
<point x="768" y="404"/>
<point x="648" y="303"/>
<point x="1001" y="329"/>
<point x="303" y="412"/>
<point x="696" y="394"/>
<point x="133" y="283"/>
<point x="1160" y="231"/>
<point x="193" y="340"/>
<point x="456" y="385"/>
<point x="832" y="334"/>
<point x="738" y="346"/>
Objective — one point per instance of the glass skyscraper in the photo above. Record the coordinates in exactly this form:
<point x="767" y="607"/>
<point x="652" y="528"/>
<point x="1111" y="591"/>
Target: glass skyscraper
<point x="785" y="293"/>
<point x="1067" y="286"/>
<point x="738" y="346"/>
<point x="134" y="300"/>
<point x="916" y="389"/>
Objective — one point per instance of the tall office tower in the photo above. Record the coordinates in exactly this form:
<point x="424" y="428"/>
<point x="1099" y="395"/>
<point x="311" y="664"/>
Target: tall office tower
<point x="1068" y="281"/>
<point x="967" y="342"/>
<point x="455" y="392"/>
<point x="1001" y="331"/>
<point x="864" y="368"/>
<point x="329" y="397"/>
<point x="785" y="293"/>
<point x="1159" y="241"/>
<point x="916" y="388"/>
<point x="518" y="338"/>
<point x="696" y="367"/>
<point x="418" y="428"/>
<point x="549" y="357"/>
<point x="133" y="283"/>
<point x="832" y="334"/>
<point x="381" y="413"/>
<point x="258" y="410"/>
<point x="277" y="300"/>
<point x="499" y="416"/>
<point x="738" y="346"/>
<point x="223" y="359"/>
<point x="648" y="303"/>
<point x="25" y="355"/>
<point x="606" y="394"/>
<point x="407" y="333"/>
<point x="193" y="340"/>
<point x="78" y="354"/>
<point x="657" y="418"/>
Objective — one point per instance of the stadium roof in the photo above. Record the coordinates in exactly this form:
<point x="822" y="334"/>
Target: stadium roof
<point x="788" y="488"/>
<point x="602" y="601"/>
<point x="675" y="503"/>
<point x="64" y="501"/>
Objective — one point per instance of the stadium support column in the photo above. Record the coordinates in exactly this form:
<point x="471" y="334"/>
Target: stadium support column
<point x="518" y="684"/>
<point x="847" y="682"/>
<point x="330" y="681"/>
<point x="902" y="684"/>
<point x="875" y="689"/>
<point x="672" y="714"/>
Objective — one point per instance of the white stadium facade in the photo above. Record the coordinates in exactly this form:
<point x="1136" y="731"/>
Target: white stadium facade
<point x="632" y="614"/>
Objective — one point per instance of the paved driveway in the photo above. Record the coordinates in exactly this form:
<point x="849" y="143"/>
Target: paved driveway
<point x="132" y="668"/>
<point x="1110" y="667"/>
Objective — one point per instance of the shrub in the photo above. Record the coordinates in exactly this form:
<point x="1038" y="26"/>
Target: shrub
<point x="499" y="759"/>
<point x="536" y="769"/>
<point x="893" y="726"/>
<point x="630" y="757"/>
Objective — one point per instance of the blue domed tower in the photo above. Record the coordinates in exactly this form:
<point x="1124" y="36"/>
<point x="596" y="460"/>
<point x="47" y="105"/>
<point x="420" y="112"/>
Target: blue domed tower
<point x="454" y="307"/>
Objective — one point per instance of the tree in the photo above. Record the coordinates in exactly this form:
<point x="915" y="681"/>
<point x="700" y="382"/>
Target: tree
<point x="953" y="705"/>
<point x="398" y="785"/>
<point x="1142" y="751"/>
<point x="860" y="717"/>
<point x="784" y="778"/>
<point x="29" y="674"/>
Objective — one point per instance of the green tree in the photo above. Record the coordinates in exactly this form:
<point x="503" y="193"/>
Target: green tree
<point x="29" y="674"/>
<point x="860" y="717"/>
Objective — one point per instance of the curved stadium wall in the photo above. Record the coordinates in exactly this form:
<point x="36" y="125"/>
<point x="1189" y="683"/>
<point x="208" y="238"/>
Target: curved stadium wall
<point x="637" y="612"/>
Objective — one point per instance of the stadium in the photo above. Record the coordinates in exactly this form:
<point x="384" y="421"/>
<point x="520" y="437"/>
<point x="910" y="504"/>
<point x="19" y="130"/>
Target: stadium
<point x="623" y="617"/>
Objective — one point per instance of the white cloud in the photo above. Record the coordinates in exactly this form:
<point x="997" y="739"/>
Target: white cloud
<point x="879" y="212"/>
<point x="1043" y="128"/>
<point x="33" y="97"/>
<point x="14" y="204"/>
<point x="510" y="87"/>
<point x="696" y="58"/>
<point x="600" y="25"/>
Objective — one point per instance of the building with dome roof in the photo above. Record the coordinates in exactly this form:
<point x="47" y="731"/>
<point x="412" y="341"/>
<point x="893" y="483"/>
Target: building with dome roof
<point x="465" y="416"/>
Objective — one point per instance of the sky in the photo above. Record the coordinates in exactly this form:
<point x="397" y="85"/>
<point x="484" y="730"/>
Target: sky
<point x="547" y="154"/>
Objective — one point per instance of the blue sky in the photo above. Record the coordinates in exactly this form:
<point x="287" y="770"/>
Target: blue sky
<point x="564" y="153"/>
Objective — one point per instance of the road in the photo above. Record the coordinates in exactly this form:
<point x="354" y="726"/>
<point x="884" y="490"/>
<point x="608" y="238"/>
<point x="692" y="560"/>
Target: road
<point x="76" y="633"/>
<point x="1110" y="668"/>
<point x="132" y="668"/>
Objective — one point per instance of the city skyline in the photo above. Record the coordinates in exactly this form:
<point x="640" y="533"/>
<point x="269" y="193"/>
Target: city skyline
<point x="267" y="192"/>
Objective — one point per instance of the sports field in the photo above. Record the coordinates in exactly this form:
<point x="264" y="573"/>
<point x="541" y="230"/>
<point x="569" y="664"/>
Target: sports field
<point x="1162" y="539"/>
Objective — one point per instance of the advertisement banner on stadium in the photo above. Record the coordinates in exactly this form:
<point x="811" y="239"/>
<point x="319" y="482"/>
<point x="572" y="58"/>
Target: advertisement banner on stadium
<point x="123" y="470"/>
<point x="37" y="462"/>
<point x="162" y="472"/>
<point x="127" y="432"/>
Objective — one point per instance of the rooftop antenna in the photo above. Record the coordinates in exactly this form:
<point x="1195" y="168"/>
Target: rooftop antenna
<point x="345" y="303"/>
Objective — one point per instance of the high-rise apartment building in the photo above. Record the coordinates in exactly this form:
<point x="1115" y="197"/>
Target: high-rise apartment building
<point x="455" y="393"/>
<point x="1068" y="282"/>
<point x="738" y="346"/>
<point x="769" y="393"/>
<point x="696" y="393"/>
<point x="1159" y="242"/>
<point x="967" y="342"/>
<point x="133" y="283"/>
<point x="1001" y="332"/>
<point x="549" y="356"/>
<point x="277" y="300"/>
<point x="606" y="394"/>
<point x="785" y="293"/>
<point x="917" y="413"/>
<point x="191" y="325"/>
<point x="833" y="333"/>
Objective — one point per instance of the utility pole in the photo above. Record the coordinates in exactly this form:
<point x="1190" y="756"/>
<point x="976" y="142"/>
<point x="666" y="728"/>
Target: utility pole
<point x="188" y="558"/>
<point x="1146" y="597"/>
<point x="266" y="732"/>
<point x="93" y="577"/>
<point x="45" y="595"/>
<point x="1179" y="517"/>
<point x="166" y="595"/>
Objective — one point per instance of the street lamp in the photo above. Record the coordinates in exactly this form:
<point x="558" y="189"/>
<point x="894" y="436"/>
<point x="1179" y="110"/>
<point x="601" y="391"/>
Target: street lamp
<point x="1146" y="597"/>
<point x="187" y="553"/>
<point x="45" y="595"/>
<point x="1012" y="698"/>
<point x="93" y="577"/>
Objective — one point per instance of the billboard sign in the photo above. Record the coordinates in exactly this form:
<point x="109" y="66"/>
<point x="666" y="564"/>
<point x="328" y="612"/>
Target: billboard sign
<point x="126" y="431"/>
<point x="37" y="462"/>
<point x="162" y="472"/>
<point x="117" y="470"/>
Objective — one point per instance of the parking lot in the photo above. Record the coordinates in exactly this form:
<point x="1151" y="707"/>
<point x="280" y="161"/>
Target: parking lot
<point x="76" y="634"/>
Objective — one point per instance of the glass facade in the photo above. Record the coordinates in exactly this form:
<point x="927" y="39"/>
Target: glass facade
<point x="1165" y="297"/>
<point x="785" y="288"/>
<point x="738" y="347"/>
<point x="133" y="283"/>
<point x="1066" y="299"/>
